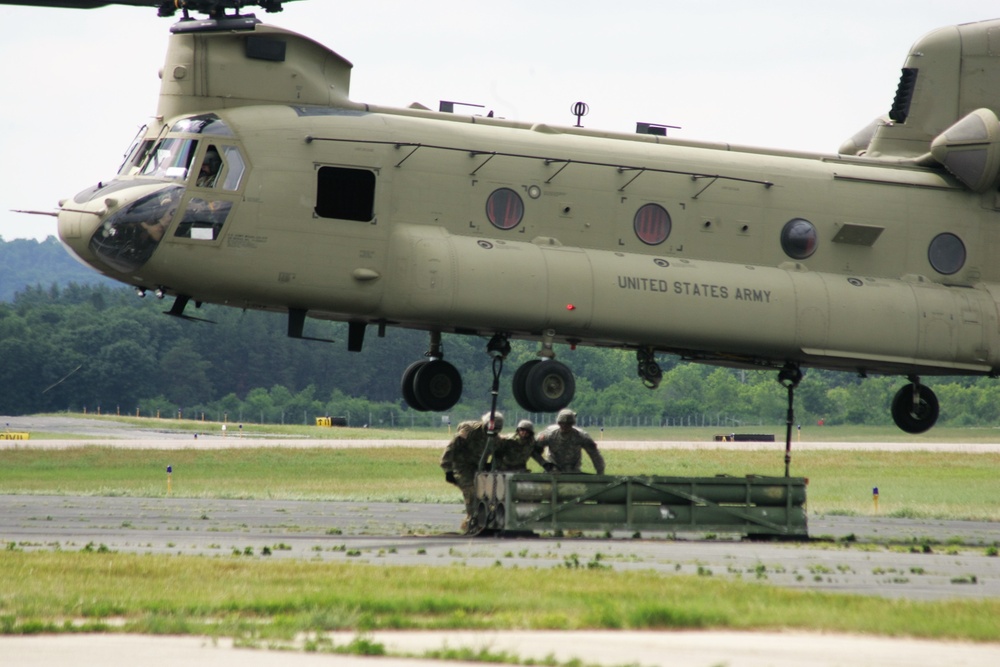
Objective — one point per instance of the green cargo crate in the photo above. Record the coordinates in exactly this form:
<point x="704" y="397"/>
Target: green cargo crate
<point x="748" y="506"/>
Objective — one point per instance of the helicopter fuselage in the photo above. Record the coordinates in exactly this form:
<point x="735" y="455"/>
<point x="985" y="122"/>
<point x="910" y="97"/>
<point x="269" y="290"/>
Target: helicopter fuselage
<point x="478" y="225"/>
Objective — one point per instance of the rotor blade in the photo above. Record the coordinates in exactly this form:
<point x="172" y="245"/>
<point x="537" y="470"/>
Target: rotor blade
<point x="81" y="4"/>
<point x="165" y="6"/>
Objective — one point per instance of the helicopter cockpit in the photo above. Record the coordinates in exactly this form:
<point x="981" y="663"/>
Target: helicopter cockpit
<point x="184" y="184"/>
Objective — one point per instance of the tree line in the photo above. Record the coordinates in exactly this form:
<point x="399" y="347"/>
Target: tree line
<point x="101" y="348"/>
<point x="29" y="262"/>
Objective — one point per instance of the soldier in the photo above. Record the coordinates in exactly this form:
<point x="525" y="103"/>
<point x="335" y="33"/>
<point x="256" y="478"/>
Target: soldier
<point x="564" y="442"/>
<point x="512" y="454"/>
<point x="461" y="458"/>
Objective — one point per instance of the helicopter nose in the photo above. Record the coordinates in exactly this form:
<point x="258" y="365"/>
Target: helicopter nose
<point x="116" y="234"/>
<point x="78" y="222"/>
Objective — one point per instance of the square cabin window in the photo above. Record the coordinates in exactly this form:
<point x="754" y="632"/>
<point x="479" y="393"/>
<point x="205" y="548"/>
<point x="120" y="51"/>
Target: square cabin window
<point x="345" y="194"/>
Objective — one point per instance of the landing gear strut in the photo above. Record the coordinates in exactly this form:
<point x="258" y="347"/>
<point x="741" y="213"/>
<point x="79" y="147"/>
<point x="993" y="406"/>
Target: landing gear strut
<point x="915" y="407"/>
<point x="432" y="384"/>
<point x="544" y="384"/>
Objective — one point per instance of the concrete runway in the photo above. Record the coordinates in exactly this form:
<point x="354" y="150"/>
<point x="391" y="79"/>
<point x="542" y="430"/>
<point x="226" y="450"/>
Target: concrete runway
<point x="391" y="534"/>
<point x="606" y="648"/>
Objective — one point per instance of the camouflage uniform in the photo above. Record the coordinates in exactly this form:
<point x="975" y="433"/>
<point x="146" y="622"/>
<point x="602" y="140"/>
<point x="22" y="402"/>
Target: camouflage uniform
<point x="462" y="455"/>
<point x="565" y="447"/>
<point x="512" y="454"/>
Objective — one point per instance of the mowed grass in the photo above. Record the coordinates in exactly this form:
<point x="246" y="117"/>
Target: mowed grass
<point x="391" y="474"/>
<point x="917" y="484"/>
<point x="259" y="600"/>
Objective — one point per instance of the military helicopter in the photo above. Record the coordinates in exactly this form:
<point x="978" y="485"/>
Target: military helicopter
<point x="262" y="185"/>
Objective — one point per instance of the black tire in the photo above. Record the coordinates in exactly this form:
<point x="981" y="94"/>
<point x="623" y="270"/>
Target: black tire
<point x="517" y="386"/>
<point x="406" y="385"/>
<point x="915" y="417"/>
<point x="550" y="386"/>
<point x="437" y="385"/>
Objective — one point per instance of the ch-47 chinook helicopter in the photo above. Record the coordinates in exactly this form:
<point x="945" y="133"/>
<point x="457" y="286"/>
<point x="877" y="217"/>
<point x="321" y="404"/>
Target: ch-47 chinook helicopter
<point x="262" y="185"/>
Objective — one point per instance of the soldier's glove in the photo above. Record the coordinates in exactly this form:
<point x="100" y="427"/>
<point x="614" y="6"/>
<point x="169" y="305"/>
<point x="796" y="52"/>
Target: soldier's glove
<point x="450" y="478"/>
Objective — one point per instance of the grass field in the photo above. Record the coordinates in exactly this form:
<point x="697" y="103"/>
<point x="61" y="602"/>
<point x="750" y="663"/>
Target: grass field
<point x="911" y="484"/>
<point x="256" y="600"/>
<point x="260" y="601"/>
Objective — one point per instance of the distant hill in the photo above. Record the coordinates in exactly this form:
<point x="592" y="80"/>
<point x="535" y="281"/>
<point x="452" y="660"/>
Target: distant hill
<point x="26" y="262"/>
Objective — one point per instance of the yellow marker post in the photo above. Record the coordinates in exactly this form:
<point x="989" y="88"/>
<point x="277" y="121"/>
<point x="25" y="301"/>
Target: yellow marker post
<point x="170" y="469"/>
<point x="875" y="498"/>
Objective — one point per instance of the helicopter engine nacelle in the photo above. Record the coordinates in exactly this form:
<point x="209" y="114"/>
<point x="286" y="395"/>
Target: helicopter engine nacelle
<point x="970" y="150"/>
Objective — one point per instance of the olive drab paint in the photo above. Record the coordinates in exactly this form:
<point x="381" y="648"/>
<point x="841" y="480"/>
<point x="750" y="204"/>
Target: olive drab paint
<point x="877" y="259"/>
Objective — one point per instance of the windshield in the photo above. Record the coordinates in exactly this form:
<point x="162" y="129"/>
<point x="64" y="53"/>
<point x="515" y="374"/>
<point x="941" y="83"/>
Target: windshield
<point x="207" y="123"/>
<point x="170" y="158"/>
<point x="128" y="238"/>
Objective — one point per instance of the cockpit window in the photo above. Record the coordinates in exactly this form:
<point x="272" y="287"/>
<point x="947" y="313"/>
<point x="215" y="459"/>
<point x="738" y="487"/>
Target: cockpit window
<point x="171" y="158"/>
<point x="136" y="153"/>
<point x="236" y="168"/>
<point x="211" y="165"/>
<point x="128" y="238"/>
<point x="203" y="219"/>
<point x="222" y="166"/>
<point x="135" y="158"/>
<point x="207" y="123"/>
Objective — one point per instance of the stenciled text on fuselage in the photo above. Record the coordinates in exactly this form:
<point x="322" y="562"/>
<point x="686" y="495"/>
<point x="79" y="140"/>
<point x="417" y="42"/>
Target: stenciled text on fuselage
<point x="686" y="288"/>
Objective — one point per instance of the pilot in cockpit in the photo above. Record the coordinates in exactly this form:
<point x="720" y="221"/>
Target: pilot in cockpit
<point x="210" y="168"/>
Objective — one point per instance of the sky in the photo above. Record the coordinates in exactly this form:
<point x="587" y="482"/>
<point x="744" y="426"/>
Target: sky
<point x="78" y="84"/>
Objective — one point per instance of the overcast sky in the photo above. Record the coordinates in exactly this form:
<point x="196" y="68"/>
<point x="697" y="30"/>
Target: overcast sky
<point x="77" y="84"/>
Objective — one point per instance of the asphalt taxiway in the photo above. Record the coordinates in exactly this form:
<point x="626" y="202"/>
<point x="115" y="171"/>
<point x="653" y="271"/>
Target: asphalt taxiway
<point x="893" y="558"/>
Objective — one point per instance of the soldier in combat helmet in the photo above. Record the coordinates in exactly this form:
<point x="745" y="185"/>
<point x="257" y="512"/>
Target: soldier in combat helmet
<point x="512" y="453"/>
<point x="565" y="444"/>
<point x="462" y="456"/>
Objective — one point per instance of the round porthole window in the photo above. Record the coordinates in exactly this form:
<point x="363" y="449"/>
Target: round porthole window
<point x="651" y="224"/>
<point x="799" y="238"/>
<point x="504" y="209"/>
<point x="946" y="254"/>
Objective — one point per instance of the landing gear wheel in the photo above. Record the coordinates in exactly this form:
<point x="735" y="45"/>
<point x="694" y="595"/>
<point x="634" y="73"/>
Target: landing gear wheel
<point x="915" y="414"/>
<point x="550" y="386"/>
<point x="518" y="385"/>
<point x="437" y="385"/>
<point x="406" y="385"/>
